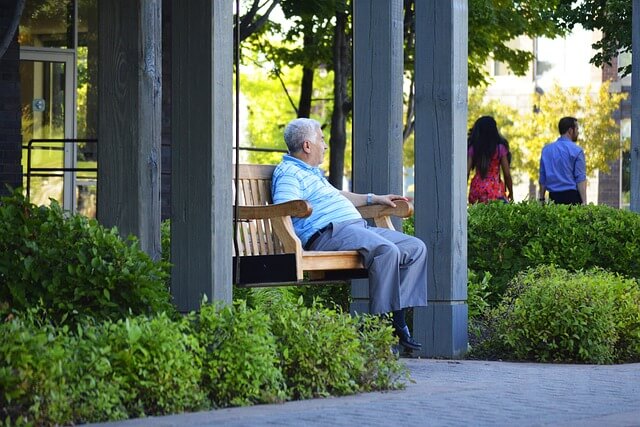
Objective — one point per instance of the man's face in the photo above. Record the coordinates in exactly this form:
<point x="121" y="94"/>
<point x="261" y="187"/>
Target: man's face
<point x="575" y="132"/>
<point x="317" y="148"/>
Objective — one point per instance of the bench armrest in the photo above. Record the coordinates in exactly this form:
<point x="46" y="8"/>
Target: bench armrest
<point x="403" y="209"/>
<point x="295" y="208"/>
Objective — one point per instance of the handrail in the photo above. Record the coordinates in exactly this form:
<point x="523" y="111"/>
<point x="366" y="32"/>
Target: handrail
<point x="262" y="149"/>
<point x="30" y="169"/>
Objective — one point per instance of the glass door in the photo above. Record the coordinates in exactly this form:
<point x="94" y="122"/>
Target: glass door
<point x="48" y="85"/>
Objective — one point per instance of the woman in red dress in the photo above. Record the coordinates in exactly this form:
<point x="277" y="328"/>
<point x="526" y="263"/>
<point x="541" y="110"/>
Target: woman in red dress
<point x="488" y="152"/>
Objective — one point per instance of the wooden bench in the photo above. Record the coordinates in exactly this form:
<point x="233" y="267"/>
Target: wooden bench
<point x="271" y="254"/>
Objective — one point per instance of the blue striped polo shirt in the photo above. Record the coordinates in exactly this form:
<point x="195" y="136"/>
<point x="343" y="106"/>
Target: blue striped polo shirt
<point x="294" y="179"/>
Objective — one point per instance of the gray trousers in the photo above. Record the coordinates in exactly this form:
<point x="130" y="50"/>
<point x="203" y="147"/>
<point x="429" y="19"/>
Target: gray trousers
<point x="397" y="263"/>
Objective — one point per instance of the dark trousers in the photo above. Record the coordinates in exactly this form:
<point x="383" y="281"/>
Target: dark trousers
<point x="569" y="197"/>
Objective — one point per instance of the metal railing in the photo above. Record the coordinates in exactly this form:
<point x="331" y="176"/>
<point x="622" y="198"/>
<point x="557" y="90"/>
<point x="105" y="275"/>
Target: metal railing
<point x="55" y="171"/>
<point x="263" y="150"/>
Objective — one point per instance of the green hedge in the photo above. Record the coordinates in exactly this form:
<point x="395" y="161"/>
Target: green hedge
<point x="73" y="266"/>
<point x="504" y="239"/>
<point x="221" y="356"/>
<point x="240" y="359"/>
<point x="549" y="314"/>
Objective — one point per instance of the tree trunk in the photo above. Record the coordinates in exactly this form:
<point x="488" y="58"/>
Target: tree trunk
<point x="341" y="69"/>
<point x="306" y="90"/>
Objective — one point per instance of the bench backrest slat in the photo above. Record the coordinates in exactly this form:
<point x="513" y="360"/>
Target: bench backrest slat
<point x="256" y="237"/>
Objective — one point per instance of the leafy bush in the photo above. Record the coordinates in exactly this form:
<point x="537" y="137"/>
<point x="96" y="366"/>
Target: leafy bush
<point x="99" y="371"/>
<point x="478" y="293"/>
<point x="627" y="320"/>
<point x="240" y="362"/>
<point x="165" y="240"/>
<point x="165" y="244"/>
<point x="96" y="391"/>
<point x="32" y="384"/>
<point x="50" y="376"/>
<point x="409" y="226"/>
<point x="159" y="362"/>
<point x="381" y="368"/>
<point x="319" y="350"/>
<point x="73" y="265"/>
<point x="335" y="296"/>
<point x="504" y="239"/>
<point x="551" y="314"/>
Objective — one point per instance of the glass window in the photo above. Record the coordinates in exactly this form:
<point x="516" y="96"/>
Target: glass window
<point x="87" y="62"/>
<point x="87" y="105"/>
<point x="43" y="116"/>
<point x="47" y="23"/>
<point x="501" y="68"/>
<point x="624" y="60"/>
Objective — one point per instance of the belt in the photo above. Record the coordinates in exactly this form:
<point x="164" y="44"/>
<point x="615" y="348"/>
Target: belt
<point x="315" y="236"/>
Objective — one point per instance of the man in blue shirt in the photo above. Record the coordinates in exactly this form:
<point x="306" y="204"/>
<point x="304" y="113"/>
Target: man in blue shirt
<point x="396" y="262"/>
<point x="562" y="167"/>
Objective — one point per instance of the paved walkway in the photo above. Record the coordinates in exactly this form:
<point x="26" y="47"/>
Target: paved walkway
<point x="452" y="393"/>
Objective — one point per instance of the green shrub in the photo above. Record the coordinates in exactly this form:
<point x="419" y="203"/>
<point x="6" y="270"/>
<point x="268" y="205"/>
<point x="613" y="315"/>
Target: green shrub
<point x="101" y="371"/>
<point x="51" y="376"/>
<point x="33" y="388"/>
<point x="240" y="362"/>
<point x="382" y="371"/>
<point x="504" y="239"/>
<point x="551" y="314"/>
<point x="319" y="349"/>
<point x="165" y="244"/>
<point x="409" y="226"/>
<point x="159" y="363"/>
<point x="96" y="392"/>
<point x="73" y="265"/>
<point x="336" y="296"/>
<point x="627" y="319"/>
<point x="264" y="298"/>
<point x="165" y="240"/>
<point x="478" y="296"/>
<point x="478" y="293"/>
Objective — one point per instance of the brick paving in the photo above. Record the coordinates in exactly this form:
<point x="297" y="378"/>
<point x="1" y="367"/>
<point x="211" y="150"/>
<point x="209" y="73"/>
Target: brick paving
<point x="455" y="393"/>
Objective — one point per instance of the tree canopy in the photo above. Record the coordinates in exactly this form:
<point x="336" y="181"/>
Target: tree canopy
<point x="612" y="17"/>
<point x="304" y="46"/>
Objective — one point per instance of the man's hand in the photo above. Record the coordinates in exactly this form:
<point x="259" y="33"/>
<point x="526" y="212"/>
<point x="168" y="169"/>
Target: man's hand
<point x="376" y="199"/>
<point x="387" y="199"/>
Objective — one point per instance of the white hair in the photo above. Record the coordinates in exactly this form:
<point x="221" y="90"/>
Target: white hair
<point x="299" y="130"/>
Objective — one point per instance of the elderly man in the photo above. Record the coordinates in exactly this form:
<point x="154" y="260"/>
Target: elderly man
<point x="562" y="167"/>
<point x="397" y="263"/>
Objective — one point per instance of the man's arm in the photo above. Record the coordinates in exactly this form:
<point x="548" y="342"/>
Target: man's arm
<point x="580" y="175"/>
<point x="542" y="180"/>
<point x="376" y="199"/>
<point x="582" y="189"/>
<point x="543" y="190"/>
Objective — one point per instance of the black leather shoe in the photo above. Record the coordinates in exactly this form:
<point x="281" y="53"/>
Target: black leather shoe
<point x="406" y="340"/>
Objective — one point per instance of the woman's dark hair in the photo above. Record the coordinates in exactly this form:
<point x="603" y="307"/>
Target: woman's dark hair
<point x="485" y="139"/>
